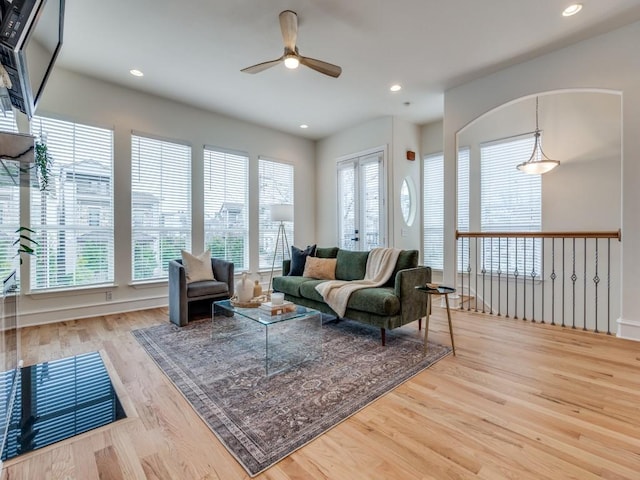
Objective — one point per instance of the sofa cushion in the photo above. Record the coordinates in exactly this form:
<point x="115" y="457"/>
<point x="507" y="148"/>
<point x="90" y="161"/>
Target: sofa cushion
<point x="351" y="265"/>
<point x="206" y="287"/>
<point x="327" y="252"/>
<point x="377" y="300"/>
<point x="308" y="290"/>
<point x="299" y="259"/>
<point x="289" y="285"/>
<point x="406" y="259"/>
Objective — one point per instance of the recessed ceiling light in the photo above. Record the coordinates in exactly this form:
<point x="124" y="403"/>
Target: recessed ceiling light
<point x="304" y="125"/>
<point x="136" y="73"/>
<point x="572" y="10"/>
<point x="395" y="88"/>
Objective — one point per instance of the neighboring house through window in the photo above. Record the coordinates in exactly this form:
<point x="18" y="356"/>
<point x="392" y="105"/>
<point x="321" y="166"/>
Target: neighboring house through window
<point x="73" y="218"/>
<point x="275" y="181"/>
<point x="160" y="203"/>
<point x="226" y="205"/>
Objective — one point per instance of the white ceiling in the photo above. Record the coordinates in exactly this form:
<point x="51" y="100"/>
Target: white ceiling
<point x="193" y="50"/>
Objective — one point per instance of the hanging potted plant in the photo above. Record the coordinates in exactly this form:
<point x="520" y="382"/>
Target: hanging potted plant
<point x="42" y="163"/>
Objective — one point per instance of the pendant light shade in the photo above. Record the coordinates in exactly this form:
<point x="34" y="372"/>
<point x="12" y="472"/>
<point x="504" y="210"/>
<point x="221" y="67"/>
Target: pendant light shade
<point x="538" y="163"/>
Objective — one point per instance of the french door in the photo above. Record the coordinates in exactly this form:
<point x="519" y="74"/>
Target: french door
<point x="361" y="194"/>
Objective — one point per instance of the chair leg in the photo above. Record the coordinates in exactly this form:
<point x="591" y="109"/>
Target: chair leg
<point x="383" y="336"/>
<point x="420" y="324"/>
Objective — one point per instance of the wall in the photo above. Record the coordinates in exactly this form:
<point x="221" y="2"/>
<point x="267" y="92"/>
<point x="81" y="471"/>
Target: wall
<point x="396" y="137"/>
<point x="608" y="62"/>
<point x="371" y="134"/>
<point x="74" y="97"/>
<point x="581" y="129"/>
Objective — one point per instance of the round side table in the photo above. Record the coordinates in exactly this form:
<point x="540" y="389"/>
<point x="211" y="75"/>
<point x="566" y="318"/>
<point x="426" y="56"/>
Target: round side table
<point x="440" y="290"/>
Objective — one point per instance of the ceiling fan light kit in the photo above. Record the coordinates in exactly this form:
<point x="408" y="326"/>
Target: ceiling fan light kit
<point x="291" y="58"/>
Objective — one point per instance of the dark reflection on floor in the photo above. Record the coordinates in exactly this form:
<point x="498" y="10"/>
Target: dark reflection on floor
<point x="59" y="399"/>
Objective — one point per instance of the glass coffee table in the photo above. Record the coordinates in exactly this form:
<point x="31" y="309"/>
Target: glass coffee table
<point x="277" y="341"/>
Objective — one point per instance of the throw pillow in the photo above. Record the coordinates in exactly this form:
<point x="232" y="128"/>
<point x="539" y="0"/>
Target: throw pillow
<point x="197" y="267"/>
<point x="320" y="268"/>
<point x="299" y="258"/>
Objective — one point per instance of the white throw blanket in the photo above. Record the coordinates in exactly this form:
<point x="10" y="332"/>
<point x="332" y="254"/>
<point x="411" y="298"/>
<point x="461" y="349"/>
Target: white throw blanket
<point x="380" y="265"/>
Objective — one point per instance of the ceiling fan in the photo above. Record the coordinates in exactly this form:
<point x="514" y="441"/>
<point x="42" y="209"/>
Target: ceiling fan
<point x="291" y="57"/>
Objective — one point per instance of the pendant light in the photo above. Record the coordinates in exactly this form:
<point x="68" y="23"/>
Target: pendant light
<point x="538" y="163"/>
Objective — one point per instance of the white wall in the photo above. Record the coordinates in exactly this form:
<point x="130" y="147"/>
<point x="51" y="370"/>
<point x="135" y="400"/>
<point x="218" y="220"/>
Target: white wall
<point x="581" y="129"/>
<point x="609" y="62"/>
<point x="406" y="136"/>
<point x="74" y="97"/>
<point x="396" y="136"/>
<point x="371" y="134"/>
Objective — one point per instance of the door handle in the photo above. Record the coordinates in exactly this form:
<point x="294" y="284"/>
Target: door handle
<point x="355" y="239"/>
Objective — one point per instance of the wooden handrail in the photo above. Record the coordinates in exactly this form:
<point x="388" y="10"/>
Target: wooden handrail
<point x="617" y="235"/>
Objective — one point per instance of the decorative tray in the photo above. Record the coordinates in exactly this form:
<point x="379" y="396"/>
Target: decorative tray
<point x="253" y="303"/>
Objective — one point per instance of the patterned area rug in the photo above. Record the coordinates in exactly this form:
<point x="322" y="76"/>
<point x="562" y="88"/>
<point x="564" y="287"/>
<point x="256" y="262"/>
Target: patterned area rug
<point x="262" y="419"/>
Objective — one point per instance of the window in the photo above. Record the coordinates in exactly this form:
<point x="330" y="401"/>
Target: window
<point x="463" y="202"/>
<point x="9" y="204"/>
<point x="361" y="193"/>
<point x="433" y="211"/>
<point x="226" y="205"/>
<point x="511" y="201"/>
<point x="160" y="203"/>
<point x="275" y="181"/>
<point x="73" y="218"/>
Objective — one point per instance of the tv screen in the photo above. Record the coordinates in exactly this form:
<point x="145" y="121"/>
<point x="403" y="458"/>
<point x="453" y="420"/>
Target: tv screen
<point x="30" y="40"/>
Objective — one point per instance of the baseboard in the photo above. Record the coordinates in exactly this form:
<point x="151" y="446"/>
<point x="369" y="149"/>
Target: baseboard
<point x="628" y="329"/>
<point x="76" y="312"/>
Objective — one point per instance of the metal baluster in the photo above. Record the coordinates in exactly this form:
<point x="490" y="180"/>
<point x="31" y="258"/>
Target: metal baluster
<point x="491" y="279"/>
<point x="584" y="306"/>
<point x="484" y="273"/>
<point x="533" y="278"/>
<point x="596" y="281"/>
<point x="608" y="286"/>
<point x="553" y="281"/>
<point x="477" y="260"/>
<point x="507" y="283"/>
<point x="461" y="263"/>
<point x="469" y="274"/>
<point x="524" y="279"/>
<point x="573" y="281"/>
<point x="515" y="275"/>
<point x="499" y="275"/>
<point x="563" y="282"/>
<point x="542" y="280"/>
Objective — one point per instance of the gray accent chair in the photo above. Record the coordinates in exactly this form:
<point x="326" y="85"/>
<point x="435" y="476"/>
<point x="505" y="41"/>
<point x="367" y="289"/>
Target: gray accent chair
<point x="183" y="295"/>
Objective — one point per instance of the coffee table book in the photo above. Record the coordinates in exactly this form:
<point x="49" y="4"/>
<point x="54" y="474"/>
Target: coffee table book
<point x="284" y="307"/>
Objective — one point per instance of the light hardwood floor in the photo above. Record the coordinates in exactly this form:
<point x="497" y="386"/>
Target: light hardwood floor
<point x="519" y="401"/>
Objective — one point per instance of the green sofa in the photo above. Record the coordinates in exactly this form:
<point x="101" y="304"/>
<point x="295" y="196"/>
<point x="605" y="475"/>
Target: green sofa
<point x="394" y="304"/>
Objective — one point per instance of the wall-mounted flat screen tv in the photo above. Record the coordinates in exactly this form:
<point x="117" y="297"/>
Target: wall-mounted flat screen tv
<point x="30" y="40"/>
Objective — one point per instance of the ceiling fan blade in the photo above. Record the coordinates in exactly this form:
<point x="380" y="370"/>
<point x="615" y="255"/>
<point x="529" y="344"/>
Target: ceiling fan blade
<point x="289" y="27"/>
<point x="262" y="66"/>
<point x="322" y="67"/>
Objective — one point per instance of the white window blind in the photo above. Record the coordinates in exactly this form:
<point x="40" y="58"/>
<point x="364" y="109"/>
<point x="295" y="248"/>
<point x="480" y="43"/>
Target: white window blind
<point x="226" y="205"/>
<point x="73" y="218"/>
<point x="9" y="204"/>
<point x="463" y="202"/>
<point x="511" y="201"/>
<point x="160" y="203"/>
<point x="275" y="186"/>
<point x="433" y="211"/>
